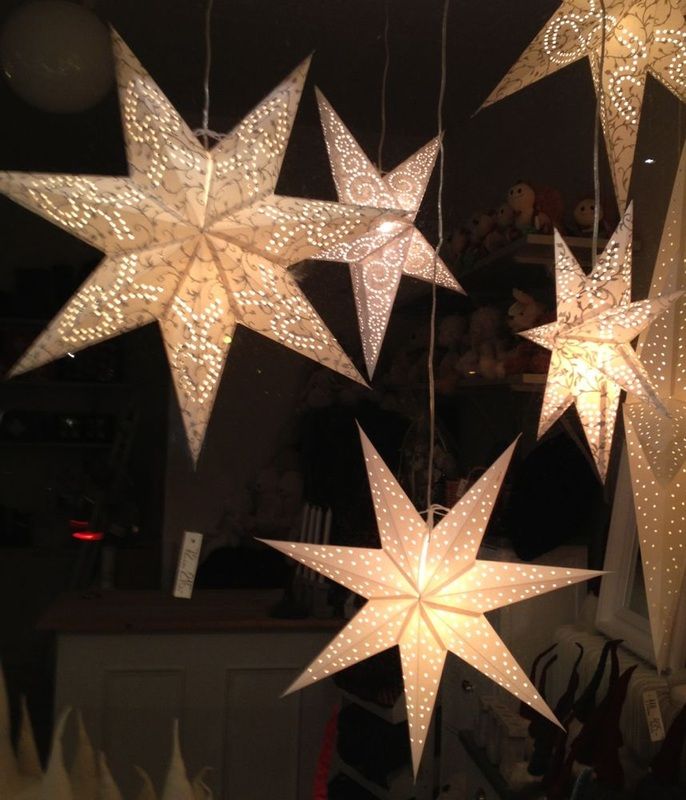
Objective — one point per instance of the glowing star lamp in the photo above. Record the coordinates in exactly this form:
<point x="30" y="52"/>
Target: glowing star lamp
<point x="427" y="593"/>
<point x="657" y="444"/>
<point x="194" y="239"/>
<point x="641" y="37"/>
<point x="394" y="247"/>
<point x="592" y="357"/>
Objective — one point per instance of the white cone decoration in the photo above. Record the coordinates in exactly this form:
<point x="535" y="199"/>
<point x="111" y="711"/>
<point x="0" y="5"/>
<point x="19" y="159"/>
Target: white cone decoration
<point x="657" y="444"/>
<point x="427" y="593"/>
<point x="107" y="788"/>
<point x="194" y="239"/>
<point x="28" y="761"/>
<point x="147" y="790"/>
<point x="56" y="784"/>
<point x="84" y="769"/>
<point x="201" y="791"/>
<point x="641" y="37"/>
<point x="176" y="784"/>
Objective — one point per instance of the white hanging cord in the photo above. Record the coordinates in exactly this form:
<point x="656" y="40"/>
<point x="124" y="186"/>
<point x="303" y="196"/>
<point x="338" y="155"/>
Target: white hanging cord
<point x="596" y="138"/>
<point x="205" y="130"/>
<point x="439" y="246"/>
<point x="384" y="82"/>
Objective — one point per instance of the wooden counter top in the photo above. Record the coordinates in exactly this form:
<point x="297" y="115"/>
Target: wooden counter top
<point x="108" y="612"/>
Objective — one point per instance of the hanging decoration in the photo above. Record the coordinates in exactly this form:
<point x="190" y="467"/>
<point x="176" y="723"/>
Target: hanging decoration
<point x="394" y="247"/>
<point x="656" y="443"/>
<point x="592" y="357"/>
<point x="427" y="592"/>
<point x="194" y="239"/>
<point x="641" y="37"/>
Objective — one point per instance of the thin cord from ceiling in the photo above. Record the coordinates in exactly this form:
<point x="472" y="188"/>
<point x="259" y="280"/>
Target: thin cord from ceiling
<point x="384" y="83"/>
<point x="599" y="110"/>
<point x="441" y="236"/>
<point x="205" y="131"/>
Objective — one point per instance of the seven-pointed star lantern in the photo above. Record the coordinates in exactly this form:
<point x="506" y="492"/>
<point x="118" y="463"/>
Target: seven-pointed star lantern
<point x="394" y="247"/>
<point x="427" y="592"/>
<point x="657" y="444"/>
<point x="592" y="357"/>
<point x="195" y="239"/>
<point x="641" y="36"/>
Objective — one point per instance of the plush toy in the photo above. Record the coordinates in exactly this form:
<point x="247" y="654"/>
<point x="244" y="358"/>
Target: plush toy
<point x="483" y="236"/>
<point x="535" y="211"/>
<point x="525" y="356"/>
<point x="583" y="218"/>
<point x="487" y="345"/>
<point x="504" y="220"/>
<point x="526" y="312"/>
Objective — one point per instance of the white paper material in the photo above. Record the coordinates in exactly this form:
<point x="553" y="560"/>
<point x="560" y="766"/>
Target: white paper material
<point x="641" y="37"/>
<point x="427" y="592"/>
<point x="656" y="445"/>
<point x="194" y="239"/>
<point x="394" y="247"/>
<point x="189" y="555"/>
<point x="592" y="358"/>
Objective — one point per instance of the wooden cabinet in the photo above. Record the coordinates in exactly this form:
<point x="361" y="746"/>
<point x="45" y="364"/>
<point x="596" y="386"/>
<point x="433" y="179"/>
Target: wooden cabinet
<point x="134" y="661"/>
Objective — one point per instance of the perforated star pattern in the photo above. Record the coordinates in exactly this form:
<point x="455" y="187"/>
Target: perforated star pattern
<point x="394" y="247"/>
<point x="427" y="593"/>
<point x="194" y="239"/>
<point x="641" y="37"/>
<point x="657" y="444"/>
<point x="592" y="358"/>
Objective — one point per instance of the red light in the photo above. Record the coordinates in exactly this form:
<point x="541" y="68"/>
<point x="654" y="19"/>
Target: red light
<point x="88" y="536"/>
<point x="78" y="524"/>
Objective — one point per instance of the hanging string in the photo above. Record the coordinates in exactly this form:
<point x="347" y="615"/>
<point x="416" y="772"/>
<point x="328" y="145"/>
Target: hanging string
<point x="384" y="82"/>
<point x="599" y="110"/>
<point x="432" y="327"/>
<point x="205" y="130"/>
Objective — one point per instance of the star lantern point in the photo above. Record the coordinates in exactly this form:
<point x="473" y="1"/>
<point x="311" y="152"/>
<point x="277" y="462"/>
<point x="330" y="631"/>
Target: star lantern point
<point x="427" y="593"/>
<point x="193" y="238"/>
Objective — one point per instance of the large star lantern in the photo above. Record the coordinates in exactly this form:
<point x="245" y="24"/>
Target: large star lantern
<point x="592" y="357"/>
<point x="427" y="592"/>
<point x="657" y="444"/>
<point x="394" y="247"/>
<point x="641" y="37"/>
<point x="194" y="239"/>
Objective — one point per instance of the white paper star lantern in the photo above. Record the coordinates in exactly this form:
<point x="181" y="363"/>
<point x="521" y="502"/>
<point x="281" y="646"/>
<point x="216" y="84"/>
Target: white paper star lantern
<point x="641" y="37"/>
<point x="592" y="358"/>
<point x="194" y="239"/>
<point x="394" y="247"/>
<point x="427" y="592"/>
<point x="657" y="444"/>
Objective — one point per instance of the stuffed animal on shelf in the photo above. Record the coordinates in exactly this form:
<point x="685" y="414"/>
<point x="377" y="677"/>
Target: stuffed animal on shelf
<point x="483" y="236"/>
<point x="505" y="222"/>
<point x="535" y="211"/>
<point x="526" y="356"/>
<point x="583" y="215"/>
<point x="487" y="345"/>
<point x="458" y="244"/>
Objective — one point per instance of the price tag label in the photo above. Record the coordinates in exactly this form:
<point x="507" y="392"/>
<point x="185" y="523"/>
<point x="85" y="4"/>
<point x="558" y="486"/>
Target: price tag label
<point x="187" y="564"/>
<point x="651" y="706"/>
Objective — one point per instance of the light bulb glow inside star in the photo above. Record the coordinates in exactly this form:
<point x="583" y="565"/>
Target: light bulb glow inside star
<point x="395" y="247"/>
<point x="194" y="239"/>
<point x="427" y="593"/>
<point x="592" y="358"/>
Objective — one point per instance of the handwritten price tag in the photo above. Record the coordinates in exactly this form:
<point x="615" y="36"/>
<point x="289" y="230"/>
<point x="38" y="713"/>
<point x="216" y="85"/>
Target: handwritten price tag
<point x="187" y="564"/>
<point x="651" y="706"/>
